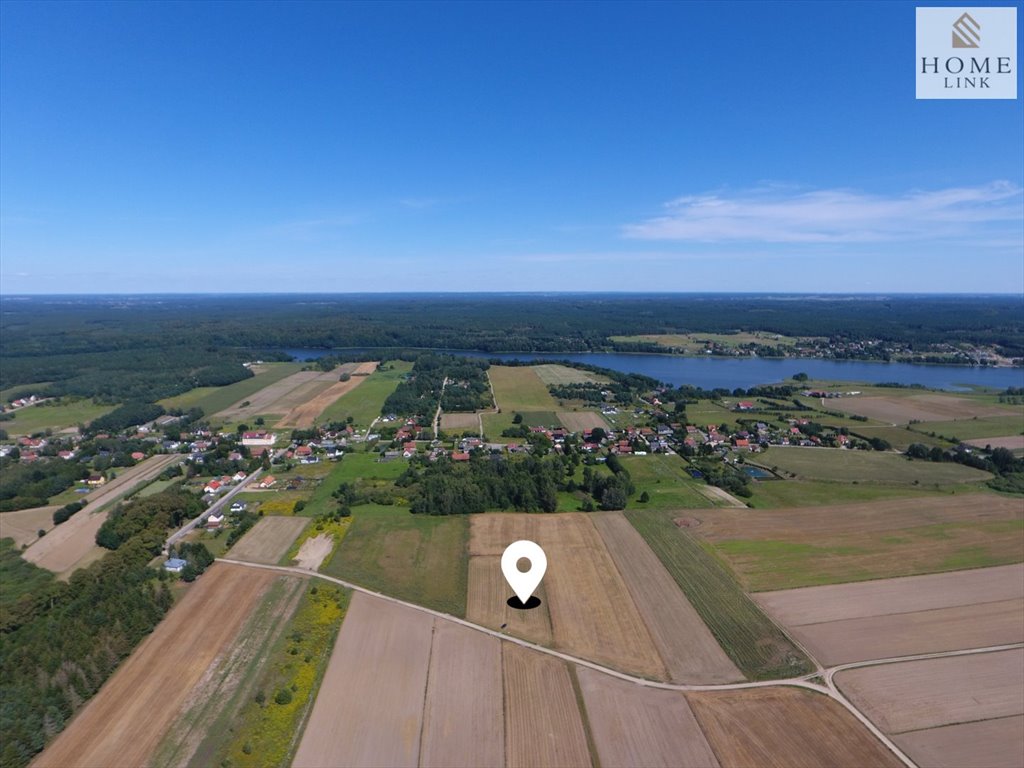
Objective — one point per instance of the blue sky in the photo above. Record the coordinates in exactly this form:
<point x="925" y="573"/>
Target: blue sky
<point x="149" y="147"/>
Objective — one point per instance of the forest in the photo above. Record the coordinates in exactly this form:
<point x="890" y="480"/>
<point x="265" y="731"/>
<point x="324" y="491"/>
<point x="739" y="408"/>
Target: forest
<point x="145" y="348"/>
<point x="419" y="395"/>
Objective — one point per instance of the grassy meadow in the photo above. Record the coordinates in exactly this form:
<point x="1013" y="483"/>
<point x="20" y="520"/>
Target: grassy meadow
<point x="55" y="415"/>
<point x="364" y="402"/>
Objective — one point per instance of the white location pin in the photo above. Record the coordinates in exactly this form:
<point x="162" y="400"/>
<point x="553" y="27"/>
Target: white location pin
<point x="523" y="584"/>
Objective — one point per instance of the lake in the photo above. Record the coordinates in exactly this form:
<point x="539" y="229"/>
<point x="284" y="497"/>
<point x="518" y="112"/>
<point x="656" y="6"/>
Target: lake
<point x="729" y="372"/>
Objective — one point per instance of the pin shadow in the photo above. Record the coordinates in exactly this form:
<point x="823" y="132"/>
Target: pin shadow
<point x="519" y="605"/>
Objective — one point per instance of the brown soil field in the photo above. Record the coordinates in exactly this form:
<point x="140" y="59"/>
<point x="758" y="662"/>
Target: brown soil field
<point x="1012" y="442"/>
<point x="460" y="422"/>
<point x="67" y="545"/>
<point x="904" y="634"/>
<point x="916" y="695"/>
<point x="592" y="613"/>
<point x="369" y="710"/>
<point x="577" y="421"/>
<point x="305" y="413"/>
<point x="269" y="539"/>
<point x="124" y="722"/>
<point x="486" y="603"/>
<point x="837" y="602"/>
<point x="785" y="727"/>
<point x="313" y="551"/>
<point x="281" y="396"/>
<point x="463" y="718"/>
<point x="553" y="373"/>
<point x="23" y="525"/>
<point x="812" y="523"/>
<point x="543" y="725"/>
<point x="689" y="650"/>
<point x="901" y="410"/>
<point x="985" y="744"/>
<point x="633" y="725"/>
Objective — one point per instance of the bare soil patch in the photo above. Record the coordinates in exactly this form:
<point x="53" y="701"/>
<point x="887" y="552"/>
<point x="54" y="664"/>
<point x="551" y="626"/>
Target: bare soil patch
<point x="543" y="725"/>
<point x="305" y="413"/>
<point x="460" y="422"/>
<point x="1010" y="442"/>
<point x="592" y="612"/>
<point x="689" y="650"/>
<point x="901" y="410"/>
<point x="279" y="397"/>
<point x="915" y="695"/>
<point x="67" y="545"/>
<point x="985" y="744"/>
<point x="785" y="727"/>
<point x="369" y="710"/>
<point x="553" y="373"/>
<point x="125" y="721"/>
<point x="463" y="719"/>
<point x="269" y="539"/>
<point x="487" y="603"/>
<point x="23" y="525"/>
<point x="313" y="551"/>
<point x="578" y="421"/>
<point x="633" y="725"/>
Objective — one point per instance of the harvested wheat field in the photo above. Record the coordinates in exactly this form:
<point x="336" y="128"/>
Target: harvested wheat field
<point x="269" y="539"/>
<point x="637" y="726"/>
<point x="553" y="373"/>
<point x="984" y="744"/>
<point x="689" y="650"/>
<point x="543" y="725"/>
<point x="592" y="612"/>
<point x="23" y="525"/>
<point x="369" y="710"/>
<point x="460" y="422"/>
<point x="785" y="727"/>
<point x="915" y="695"/>
<point x="281" y="396"/>
<point x="305" y="413"/>
<point x="125" y="721"/>
<point x="578" y="421"/>
<point x="463" y="718"/>
<point x="902" y="410"/>
<point x="72" y="542"/>
<point x="842" y="623"/>
<point x="486" y="603"/>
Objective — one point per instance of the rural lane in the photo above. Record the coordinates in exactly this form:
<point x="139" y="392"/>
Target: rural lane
<point x="829" y="689"/>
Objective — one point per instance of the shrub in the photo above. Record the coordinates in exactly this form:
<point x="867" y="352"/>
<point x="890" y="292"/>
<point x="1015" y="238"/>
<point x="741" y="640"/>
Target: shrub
<point x="283" y="696"/>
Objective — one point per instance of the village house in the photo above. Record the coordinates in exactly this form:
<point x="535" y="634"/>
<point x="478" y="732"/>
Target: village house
<point x="259" y="438"/>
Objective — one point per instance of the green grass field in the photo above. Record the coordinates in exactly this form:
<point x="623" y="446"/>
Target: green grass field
<point x="775" y="494"/>
<point x="214" y="399"/>
<point x="769" y="564"/>
<point x="65" y="413"/>
<point x="757" y="646"/>
<point x="692" y="342"/>
<point x="884" y="468"/>
<point x="898" y="437"/>
<point x="364" y="402"/>
<point x="666" y="482"/>
<point x="970" y="429"/>
<point x="563" y="374"/>
<point x="519" y="388"/>
<point x="417" y="558"/>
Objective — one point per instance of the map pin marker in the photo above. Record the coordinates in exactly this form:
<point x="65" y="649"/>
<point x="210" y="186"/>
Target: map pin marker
<point x="523" y="584"/>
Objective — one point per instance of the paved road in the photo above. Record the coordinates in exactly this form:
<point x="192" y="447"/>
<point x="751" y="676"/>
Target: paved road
<point x="829" y="688"/>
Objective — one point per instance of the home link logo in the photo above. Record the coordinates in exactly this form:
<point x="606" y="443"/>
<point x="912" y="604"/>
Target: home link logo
<point x="966" y="53"/>
<point x="966" y="32"/>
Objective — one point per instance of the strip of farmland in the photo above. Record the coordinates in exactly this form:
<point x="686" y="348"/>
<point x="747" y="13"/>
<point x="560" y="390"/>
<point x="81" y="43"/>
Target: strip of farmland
<point x="632" y="725"/>
<point x="984" y="744"/>
<point x="689" y="650"/>
<point x="125" y="721"/>
<point x="64" y="548"/>
<point x="369" y="710"/>
<point x="305" y="414"/>
<point x="269" y="539"/>
<point x="463" y="718"/>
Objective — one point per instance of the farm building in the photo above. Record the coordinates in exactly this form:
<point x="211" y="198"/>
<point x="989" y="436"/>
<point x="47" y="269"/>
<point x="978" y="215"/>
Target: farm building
<point x="175" y="565"/>
<point x="258" y="438"/>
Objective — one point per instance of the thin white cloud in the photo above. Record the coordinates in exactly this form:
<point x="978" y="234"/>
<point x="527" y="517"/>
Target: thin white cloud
<point x="783" y="215"/>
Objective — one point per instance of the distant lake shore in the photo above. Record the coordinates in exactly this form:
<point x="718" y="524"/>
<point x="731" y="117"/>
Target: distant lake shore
<point x="711" y="372"/>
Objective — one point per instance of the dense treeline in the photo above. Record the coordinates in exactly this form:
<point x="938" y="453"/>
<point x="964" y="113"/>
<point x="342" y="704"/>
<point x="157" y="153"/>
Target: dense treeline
<point x="60" y="641"/>
<point x="30" y="485"/>
<point x="420" y="393"/>
<point x="127" y="348"/>
<point x="146" y="518"/>
<point x="529" y="484"/>
<point x="124" y="416"/>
